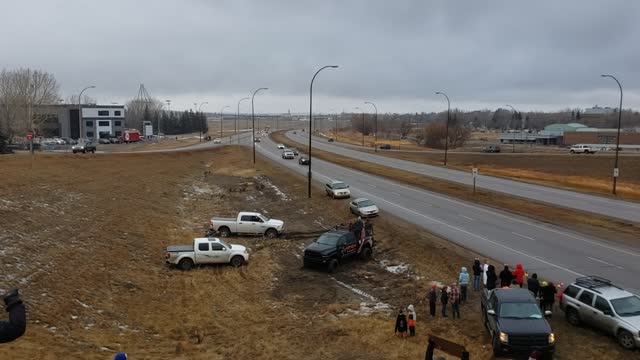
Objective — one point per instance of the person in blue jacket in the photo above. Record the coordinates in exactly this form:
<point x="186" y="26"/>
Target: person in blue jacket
<point x="17" y="324"/>
<point x="463" y="280"/>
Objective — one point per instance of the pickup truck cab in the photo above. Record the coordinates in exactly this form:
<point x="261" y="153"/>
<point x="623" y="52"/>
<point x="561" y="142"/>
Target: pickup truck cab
<point x="515" y="322"/>
<point x="247" y="223"/>
<point x="206" y="251"/>
<point x="338" y="245"/>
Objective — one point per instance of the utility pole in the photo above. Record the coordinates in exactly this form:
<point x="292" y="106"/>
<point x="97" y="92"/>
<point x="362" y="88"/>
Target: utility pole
<point x="446" y="141"/>
<point x="616" y="170"/>
<point x="237" y="118"/>
<point x="253" y="123"/>
<point x="375" y="145"/>
<point x="81" y="136"/>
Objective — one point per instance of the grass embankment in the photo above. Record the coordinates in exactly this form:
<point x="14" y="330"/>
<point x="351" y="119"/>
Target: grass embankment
<point x="586" y="222"/>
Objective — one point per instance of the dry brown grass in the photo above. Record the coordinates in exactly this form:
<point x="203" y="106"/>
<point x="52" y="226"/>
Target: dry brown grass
<point x="355" y="138"/>
<point x="582" y="221"/>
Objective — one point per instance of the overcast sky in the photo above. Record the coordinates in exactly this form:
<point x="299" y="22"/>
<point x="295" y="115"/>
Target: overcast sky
<point x="540" y="55"/>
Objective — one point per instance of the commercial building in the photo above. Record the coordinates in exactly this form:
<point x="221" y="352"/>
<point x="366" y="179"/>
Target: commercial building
<point x="64" y="121"/>
<point x="571" y="134"/>
<point x="601" y="136"/>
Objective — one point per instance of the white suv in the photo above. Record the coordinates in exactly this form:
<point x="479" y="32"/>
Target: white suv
<point x="596" y="302"/>
<point x="288" y="154"/>
<point x="582" y="149"/>
<point x="281" y="146"/>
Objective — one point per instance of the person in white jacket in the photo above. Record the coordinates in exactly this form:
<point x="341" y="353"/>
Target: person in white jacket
<point x="411" y="315"/>
<point x="484" y="268"/>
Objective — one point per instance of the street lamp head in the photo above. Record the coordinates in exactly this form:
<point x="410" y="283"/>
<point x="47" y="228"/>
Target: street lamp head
<point x="438" y="93"/>
<point x="603" y="75"/>
<point x="91" y="87"/>
<point x="333" y="66"/>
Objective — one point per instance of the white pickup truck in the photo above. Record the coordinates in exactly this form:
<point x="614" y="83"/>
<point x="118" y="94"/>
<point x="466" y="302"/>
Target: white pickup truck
<point x="247" y="223"/>
<point x="206" y="251"/>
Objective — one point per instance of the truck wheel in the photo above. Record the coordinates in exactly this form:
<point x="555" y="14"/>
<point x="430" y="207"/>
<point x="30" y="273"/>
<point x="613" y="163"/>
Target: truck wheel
<point x="625" y="339"/>
<point x="332" y="266"/>
<point x="271" y="233"/>
<point x="224" y="231"/>
<point x="185" y="264"/>
<point x="572" y="317"/>
<point x="366" y="253"/>
<point x="573" y="152"/>
<point x="237" y="261"/>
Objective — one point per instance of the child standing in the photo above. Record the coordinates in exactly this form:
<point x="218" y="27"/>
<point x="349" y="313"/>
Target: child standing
<point x="412" y="320"/>
<point x="401" y="324"/>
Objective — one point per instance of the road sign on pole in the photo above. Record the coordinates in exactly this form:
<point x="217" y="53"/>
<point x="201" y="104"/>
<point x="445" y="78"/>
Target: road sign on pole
<point x="616" y="172"/>
<point x="29" y="136"/>
<point x="474" y="171"/>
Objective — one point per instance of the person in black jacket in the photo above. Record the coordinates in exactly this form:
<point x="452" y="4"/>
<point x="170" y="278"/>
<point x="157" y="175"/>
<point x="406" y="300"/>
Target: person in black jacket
<point x="533" y="285"/>
<point x="444" y="300"/>
<point x="477" y="272"/>
<point x="548" y="294"/>
<point x="401" y="324"/>
<point x="17" y="324"/>
<point x="492" y="278"/>
<point x="506" y="277"/>
<point x="432" y="297"/>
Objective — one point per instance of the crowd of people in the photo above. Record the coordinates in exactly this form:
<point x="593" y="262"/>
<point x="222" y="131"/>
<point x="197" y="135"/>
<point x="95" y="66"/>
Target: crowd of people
<point x="484" y="276"/>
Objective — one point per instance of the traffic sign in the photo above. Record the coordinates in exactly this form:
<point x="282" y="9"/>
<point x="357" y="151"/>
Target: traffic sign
<point x="29" y="136"/>
<point x="616" y="172"/>
<point x="475" y="172"/>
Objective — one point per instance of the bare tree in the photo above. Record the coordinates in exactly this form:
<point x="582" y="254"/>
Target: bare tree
<point x="21" y="92"/>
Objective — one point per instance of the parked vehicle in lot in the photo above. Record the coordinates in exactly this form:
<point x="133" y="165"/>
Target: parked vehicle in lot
<point x="385" y="146"/>
<point x="287" y="154"/>
<point x="596" y="302"/>
<point x="363" y="207"/>
<point x="491" y="149"/>
<point x="217" y="141"/>
<point x="84" y="148"/>
<point x="206" y="251"/>
<point x="515" y="323"/>
<point x="247" y="223"/>
<point x="582" y="149"/>
<point x="104" y="141"/>
<point x="338" y="245"/>
<point x="304" y="160"/>
<point x="281" y="146"/>
<point x="337" y="189"/>
<point x="115" y="140"/>
<point x="130" y="135"/>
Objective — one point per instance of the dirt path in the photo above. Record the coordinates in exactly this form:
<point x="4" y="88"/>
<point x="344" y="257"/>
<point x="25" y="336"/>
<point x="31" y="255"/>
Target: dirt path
<point x="84" y="238"/>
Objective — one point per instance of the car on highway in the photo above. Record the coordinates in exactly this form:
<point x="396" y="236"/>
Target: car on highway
<point x="281" y="146"/>
<point x="338" y="245"/>
<point x="304" y="160"/>
<point x="246" y="223"/>
<point x="256" y="140"/>
<point x="582" y="149"/>
<point x="514" y="321"/>
<point x="206" y="251"/>
<point x="330" y="140"/>
<point x="217" y="141"/>
<point x="288" y="155"/>
<point x="294" y="151"/>
<point x="337" y="189"/>
<point x="363" y="207"/>
<point x="491" y="149"/>
<point x="595" y="302"/>
<point x="295" y="133"/>
<point x="84" y="148"/>
<point x="385" y="146"/>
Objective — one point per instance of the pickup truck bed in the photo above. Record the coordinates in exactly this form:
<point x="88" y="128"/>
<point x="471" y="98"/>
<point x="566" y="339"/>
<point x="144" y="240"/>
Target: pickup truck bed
<point x="180" y="248"/>
<point x="223" y="219"/>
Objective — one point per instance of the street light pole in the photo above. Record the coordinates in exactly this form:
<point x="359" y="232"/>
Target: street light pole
<point x="513" y="136"/>
<point x="375" y="144"/>
<point x="253" y="123"/>
<point x="80" y="110"/>
<point x="357" y="108"/>
<point x="238" y="117"/>
<point x="311" y="122"/>
<point x="222" y="117"/>
<point x="446" y="140"/>
<point x="336" y="112"/>
<point x="159" y="120"/>
<point x="616" y="171"/>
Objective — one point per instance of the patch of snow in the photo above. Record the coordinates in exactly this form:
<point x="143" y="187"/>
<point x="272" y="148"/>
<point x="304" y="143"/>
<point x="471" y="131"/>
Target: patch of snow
<point x="81" y="303"/>
<point x="356" y="290"/>
<point x="201" y="190"/>
<point x="395" y="269"/>
<point x="278" y="192"/>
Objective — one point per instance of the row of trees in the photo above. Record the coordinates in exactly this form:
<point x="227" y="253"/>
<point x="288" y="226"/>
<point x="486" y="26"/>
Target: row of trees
<point x="22" y="91"/>
<point x="173" y="122"/>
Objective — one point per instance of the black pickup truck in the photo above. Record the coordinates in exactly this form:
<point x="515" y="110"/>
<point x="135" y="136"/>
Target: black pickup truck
<point x="515" y="322"/>
<point x="338" y="245"/>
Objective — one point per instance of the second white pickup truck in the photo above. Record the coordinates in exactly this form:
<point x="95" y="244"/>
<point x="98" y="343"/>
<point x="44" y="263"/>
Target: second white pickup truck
<point x="247" y="223"/>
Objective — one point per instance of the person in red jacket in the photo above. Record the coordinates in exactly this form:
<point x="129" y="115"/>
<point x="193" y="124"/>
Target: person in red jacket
<point x="518" y="275"/>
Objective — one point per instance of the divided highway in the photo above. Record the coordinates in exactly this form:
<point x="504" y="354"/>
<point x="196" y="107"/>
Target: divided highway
<point x="552" y="251"/>
<point x="624" y="210"/>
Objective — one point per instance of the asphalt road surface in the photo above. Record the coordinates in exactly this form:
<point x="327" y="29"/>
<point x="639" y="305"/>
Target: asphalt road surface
<point x="553" y="252"/>
<point x="600" y="205"/>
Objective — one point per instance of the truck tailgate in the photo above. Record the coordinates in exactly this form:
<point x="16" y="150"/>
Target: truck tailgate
<point x="180" y="248"/>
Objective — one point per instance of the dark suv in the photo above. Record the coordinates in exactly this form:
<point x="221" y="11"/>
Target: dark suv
<point x="491" y="149"/>
<point x="337" y="245"/>
<point x="515" y="322"/>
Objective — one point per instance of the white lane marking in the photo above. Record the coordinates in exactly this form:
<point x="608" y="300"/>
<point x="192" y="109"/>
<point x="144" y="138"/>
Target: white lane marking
<point x="604" y="262"/>
<point x="524" y="236"/>
<point x="466" y="217"/>
<point x="423" y="192"/>
<point x="461" y="230"/>
<point x="373" y="186"/>
<point x="395" y="193"/>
